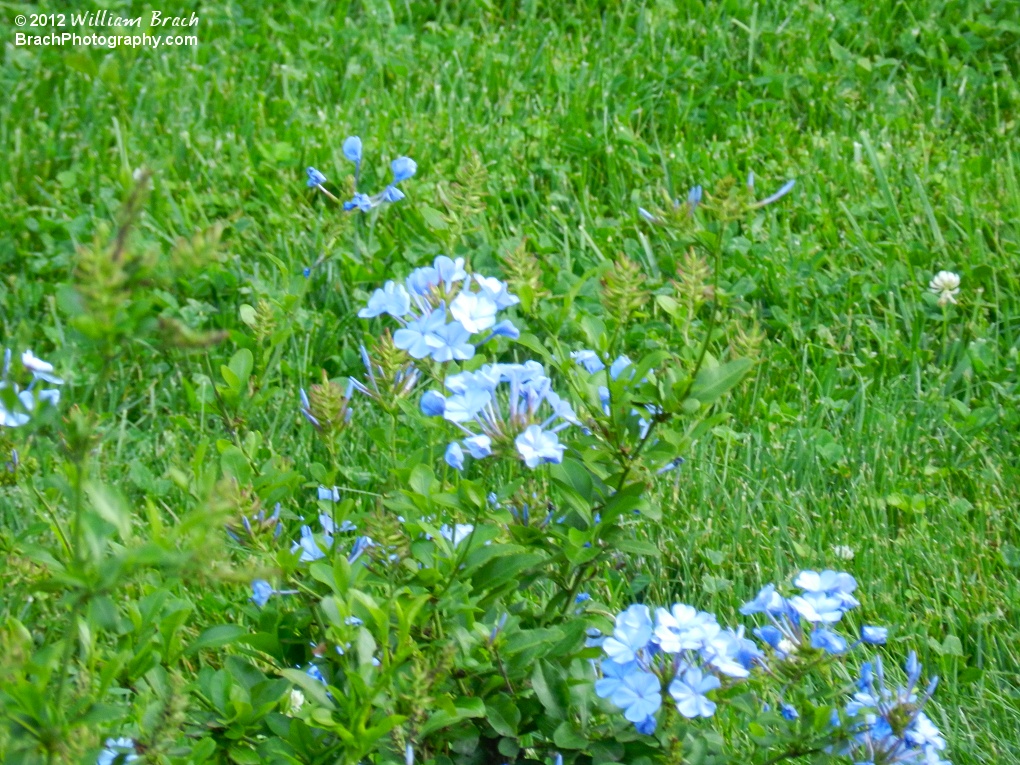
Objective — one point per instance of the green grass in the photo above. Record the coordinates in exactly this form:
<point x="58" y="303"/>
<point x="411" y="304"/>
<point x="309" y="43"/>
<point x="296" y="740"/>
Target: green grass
<point x="867" y="423"/>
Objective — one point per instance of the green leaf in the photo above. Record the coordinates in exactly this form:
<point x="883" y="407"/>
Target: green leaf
<point x="544" y="683"/>
<point x="235" y="464"/>
<point x="248" y="315"/>
<point x="312" y="687"/>
<point x="712" y="382"/>
<point x="215" y="637"/>
<point x="433" y="218"/>
<point x="503" y="715"/>
<point x="110" y="507"/>
<point x="241" y="365"/>
<point x="463" y="708"/>
<point x="567" y="736"/>
<point x="637" y="547"/>
<point x="573" y="475"/>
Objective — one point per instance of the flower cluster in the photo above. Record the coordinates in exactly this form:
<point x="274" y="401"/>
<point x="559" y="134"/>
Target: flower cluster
<point x="439" y="312"/>
<point x="504" y="414"/>
<point x="689" y="654"/>
<point x="30" y="398"/>
<point x="890" y="725"/>
<point x="806" y="619"/>
<point x="946" y="285"/>
<point x="682" y="648"/>
<point x="402" y="168"/>
<point x="312" y="549"/>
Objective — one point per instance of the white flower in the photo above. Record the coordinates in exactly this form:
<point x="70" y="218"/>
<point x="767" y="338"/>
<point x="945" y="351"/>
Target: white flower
<point x="39" y="368"/>
<point x="843" y="551"/>
<point x="297" y="700"/>
<point x="475" y="312"/>
<point x="946" y="285"/>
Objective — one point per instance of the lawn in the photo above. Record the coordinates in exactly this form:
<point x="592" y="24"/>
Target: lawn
<point x="875" y="432"/>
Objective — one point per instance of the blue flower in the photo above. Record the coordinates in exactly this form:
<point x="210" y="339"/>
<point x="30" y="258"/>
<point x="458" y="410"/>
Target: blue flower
<point x="504" y="328"/>
<point x="315" y="673"/>
<point x="874" y="635"/>
<point x="785" y="189"/>
<point x="262" y="591"/>
<point x="419" y="337"/>
<point x="789" y="711"/>
<point x="694" y="197"/>
<point x="360" y="545"/>
<point x="391" y="194"/>
<point x="480" y="446"/>
<point x="449" y="271"/>
<point x="536" y="446"/>
<point x="617" y="367"/>
<point x="632" y="633"/>
<point x="352" y="151"/>
<point x="315" y="178"/>
<point x="408" y="754"/>
<point x="433" y="404"/>
<point x="451" y="342"/>
<point x="361" y="202"/>
<point x="689" y="693"/>
<point x="403" y="168"/>
<point x="454" y="456"/>
<point x="306" y="272"/>
<point x="310" y="549"/>
<point x="465" y="406"/>
<point x="647" y="215"/>
<point x="767" y="601"/>
<point x="119" y="750"/>
<point x="392" y="299"/>
<point x="326" y="494"/>
<point x="769" y="635"/>
<point x="671" y="465"/>
<point x="589" y="360"/>
<point x="647" y="726"/>
<point x="818" y="607"/>
<point x="639" y="695"/>
<point x="828" y="641"/>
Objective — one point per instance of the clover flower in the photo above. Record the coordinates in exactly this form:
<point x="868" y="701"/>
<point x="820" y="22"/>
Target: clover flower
<point x="946" y="285"/>
<point x="119" y="750"/>
<point x="890" y="726"/>
<point x="440" y="311"/>
<point x="31" y="397"/>
<point x="503" y="401"/>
